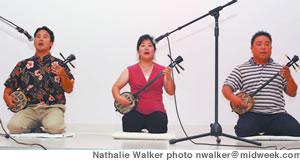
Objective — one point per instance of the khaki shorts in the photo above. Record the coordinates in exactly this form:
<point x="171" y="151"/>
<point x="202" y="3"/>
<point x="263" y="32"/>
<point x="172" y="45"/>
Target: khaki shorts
<point x="36" y="116"/>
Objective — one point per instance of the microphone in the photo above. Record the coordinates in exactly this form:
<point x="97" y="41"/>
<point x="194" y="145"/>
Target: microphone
<point x="21" y="30"/>
<point x="229" y="3"/>
<point x="160" y="38"/>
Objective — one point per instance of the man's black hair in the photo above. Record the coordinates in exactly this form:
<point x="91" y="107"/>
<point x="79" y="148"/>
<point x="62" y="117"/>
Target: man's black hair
<point x="46" y="29"/>
<point x="260" y="33"/>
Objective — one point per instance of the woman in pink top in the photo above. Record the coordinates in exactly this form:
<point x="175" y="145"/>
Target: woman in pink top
<point x="150" y="112"/>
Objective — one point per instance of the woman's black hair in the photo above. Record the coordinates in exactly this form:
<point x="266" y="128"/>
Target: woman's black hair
<point x="142" y="38"/>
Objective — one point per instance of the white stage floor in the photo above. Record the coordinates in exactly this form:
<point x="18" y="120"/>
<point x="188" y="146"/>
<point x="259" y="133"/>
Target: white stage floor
<point x="91" y="137"/>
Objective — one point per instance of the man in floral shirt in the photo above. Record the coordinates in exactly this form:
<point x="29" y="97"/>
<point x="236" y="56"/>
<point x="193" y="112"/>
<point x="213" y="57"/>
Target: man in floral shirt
<point x="44" y="81"/>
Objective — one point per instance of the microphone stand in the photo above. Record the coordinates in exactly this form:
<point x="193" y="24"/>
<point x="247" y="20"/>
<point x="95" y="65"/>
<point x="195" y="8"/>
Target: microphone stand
<point x="215" y="128"/>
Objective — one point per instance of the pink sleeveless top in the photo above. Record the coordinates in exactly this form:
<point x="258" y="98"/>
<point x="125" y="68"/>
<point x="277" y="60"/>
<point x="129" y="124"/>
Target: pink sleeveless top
<point x="149" y="100"/>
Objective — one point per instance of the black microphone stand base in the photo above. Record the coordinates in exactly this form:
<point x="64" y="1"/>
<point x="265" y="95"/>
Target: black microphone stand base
<point x="215" y="130"/>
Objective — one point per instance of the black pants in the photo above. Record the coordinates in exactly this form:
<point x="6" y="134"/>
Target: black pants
<point x="281" y="124"/>
<point x="155" y="122"/>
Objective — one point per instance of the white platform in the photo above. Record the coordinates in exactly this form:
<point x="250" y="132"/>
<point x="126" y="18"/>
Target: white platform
<point x="273" y="138"/>
<point x="42" y="135"/>
<point x="142" y="136"/>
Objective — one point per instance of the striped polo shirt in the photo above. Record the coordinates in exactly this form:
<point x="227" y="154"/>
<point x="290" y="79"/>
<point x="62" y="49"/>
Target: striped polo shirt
<point x="249" y="76"/>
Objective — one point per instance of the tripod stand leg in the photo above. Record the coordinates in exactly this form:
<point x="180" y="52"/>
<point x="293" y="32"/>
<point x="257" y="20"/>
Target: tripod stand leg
<point x="241" y="139"/>
<point x="218" y="140"/>
<point x="173" y="141"/>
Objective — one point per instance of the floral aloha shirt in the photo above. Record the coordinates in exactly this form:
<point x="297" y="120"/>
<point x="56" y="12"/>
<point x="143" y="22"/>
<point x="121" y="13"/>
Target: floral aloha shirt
<point x="34" y="77"/>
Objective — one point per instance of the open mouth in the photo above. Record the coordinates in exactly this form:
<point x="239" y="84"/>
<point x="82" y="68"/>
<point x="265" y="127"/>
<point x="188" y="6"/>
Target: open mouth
<point x="147" y="53"/>
<point x="40" y="44"/>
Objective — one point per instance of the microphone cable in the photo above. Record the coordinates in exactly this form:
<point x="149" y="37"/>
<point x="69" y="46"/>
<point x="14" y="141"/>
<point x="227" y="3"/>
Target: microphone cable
<point x="6" y="135"/>
<point x="209" y="144"/>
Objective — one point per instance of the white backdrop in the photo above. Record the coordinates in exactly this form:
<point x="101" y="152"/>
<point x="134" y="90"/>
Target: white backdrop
<point x="103" y="35"/>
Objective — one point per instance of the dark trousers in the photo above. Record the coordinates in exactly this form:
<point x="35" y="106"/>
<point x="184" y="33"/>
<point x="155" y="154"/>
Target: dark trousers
<point x="281" y="124"/>
<point x="135" y="121"/>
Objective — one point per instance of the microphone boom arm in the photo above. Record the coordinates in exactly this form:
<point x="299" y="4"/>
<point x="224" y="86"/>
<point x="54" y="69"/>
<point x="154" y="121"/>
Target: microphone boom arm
<point x="213" y="11"/>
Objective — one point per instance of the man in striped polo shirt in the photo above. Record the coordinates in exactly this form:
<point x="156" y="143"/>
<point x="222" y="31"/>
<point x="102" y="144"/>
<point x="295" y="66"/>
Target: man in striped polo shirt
<point x="268" y="114"/>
